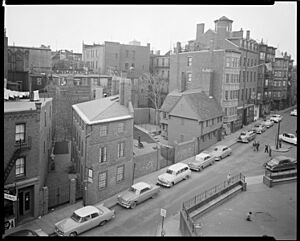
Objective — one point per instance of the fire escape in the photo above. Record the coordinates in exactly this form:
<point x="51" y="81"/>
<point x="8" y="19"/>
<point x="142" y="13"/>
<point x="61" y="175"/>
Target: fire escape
<point x="22" y="146"/>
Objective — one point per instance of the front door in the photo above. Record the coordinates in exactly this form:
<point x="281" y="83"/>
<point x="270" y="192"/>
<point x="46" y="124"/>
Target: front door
<point x="25" y="197"/>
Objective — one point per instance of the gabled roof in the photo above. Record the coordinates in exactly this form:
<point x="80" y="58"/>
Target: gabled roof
<point x="205" y="107"/>
<point x="170" y="102"/>
<point x="102" y="110"/>
<point x="224" y="19"/>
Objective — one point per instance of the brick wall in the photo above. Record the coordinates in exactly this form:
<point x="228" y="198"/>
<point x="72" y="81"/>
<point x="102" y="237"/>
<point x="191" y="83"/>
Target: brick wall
<point x="185" y="150"/>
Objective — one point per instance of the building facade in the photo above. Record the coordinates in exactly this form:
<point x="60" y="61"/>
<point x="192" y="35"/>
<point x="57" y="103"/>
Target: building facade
<point x="102" y="144"/>
<point x="27" y="148"/>
<point x="64" y="61"/>
<point x="216" y="72"/>
<point x="191" y="114"/>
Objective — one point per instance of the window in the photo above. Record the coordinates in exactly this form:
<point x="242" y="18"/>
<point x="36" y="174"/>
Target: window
<point x="227" y="78"/>
<point x="20" y="167"/>
<point x="102" y="154"/>
<point x="90" y="175"/>
<point x="39" y="81"/>
<point x="81" y="148"/>
<point x="247" y="76"/>
<point x="283" y="83"/>
<point x="244" y="76"/>
<point x="225" y="111"/>
<point x="120" y="173"/>
<point x="103" y="130"/>
<point x="213" y="121"/>
<point x="189" y="77"/>
<point x="228" y="60"/>
<point x="189" y="61"/>
<point x="121" y="149"/>
<point x="45" y="117"/>
<point x="207" y="123"/>
<point x="102" y="180"/>
<point x="250" y="76"/>
<point x="120" y="127"/>
<point x="226" y="94"/>
<point x="20" y="133"/>
<point x="163" y="62"/>
<point x="254" y="77"/>
<point x="132" y="65"/>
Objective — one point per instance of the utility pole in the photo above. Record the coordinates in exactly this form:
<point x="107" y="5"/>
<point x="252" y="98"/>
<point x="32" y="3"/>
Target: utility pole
<point x="277" y="137"/>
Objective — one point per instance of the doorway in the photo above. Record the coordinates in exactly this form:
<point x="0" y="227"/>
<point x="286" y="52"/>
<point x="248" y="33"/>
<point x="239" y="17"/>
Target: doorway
<point x="25" y="198"/>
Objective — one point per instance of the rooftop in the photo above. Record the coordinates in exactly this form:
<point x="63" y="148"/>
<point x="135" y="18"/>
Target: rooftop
<point x="23" y="105"/>
<point x="102" y="110"/>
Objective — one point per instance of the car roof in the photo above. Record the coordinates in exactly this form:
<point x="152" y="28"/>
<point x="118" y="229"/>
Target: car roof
<point x="178" y="166"/>
<point x="87" y="210"/>
<point x="202" y="154"/>
<point x="140" y="185"/>
<point x="221" y="146"/>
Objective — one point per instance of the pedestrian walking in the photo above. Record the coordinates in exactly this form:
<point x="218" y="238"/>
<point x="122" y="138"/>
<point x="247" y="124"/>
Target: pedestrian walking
<point x="228" y="177"/>
<point x="266" y="148"/>
<point x="280" y="143"/>
<point x="254" y="145"/>
<point x="270" y="151"/>
<point x="249" y="216"/>
<point x="257" y="145"/>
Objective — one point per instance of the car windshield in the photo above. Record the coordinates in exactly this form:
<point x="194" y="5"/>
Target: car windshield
<point x="76" y="217"/>
<point x="169" y="171"/>
<point x="132" y="189"/>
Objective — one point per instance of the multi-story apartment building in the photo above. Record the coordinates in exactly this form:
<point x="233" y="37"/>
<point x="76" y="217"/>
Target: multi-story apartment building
<point x="26" y="61"/>
<point x="290" y="84"/>
<point x="102" y="144"/>
<point x="215" y="71"/>
<point x="265" y="79"/>
<point x="189" y="114"/>
<point x="27" y="147"/>
<point x="64" y="61"/>
<point x="113" y="56"/>
<point x="280" y="83"/>
<point x="293" y="88"/>
<point x="5" y="58"/>
<point x="222" y="37"/>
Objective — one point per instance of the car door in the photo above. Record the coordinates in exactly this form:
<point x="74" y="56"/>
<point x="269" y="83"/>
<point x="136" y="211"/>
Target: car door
<point x="144" y="194"/>
<point x="86" y="222"/>
<point x="225" y="152"/>
<point x="95" y="219"/>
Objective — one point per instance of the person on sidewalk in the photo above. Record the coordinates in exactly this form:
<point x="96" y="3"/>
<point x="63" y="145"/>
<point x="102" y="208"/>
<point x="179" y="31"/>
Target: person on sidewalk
<point x="228" y="178"/>
<point x="257" y="146"/>
<point x="266" y="148"/>
<point x="249" y="216"/>
<point x="270" y="151"/>
<point x="254" y="145"/>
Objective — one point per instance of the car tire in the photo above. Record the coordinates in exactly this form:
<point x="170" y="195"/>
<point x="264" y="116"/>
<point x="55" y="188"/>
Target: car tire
<point x="187" y="177"/>
<point x="73" y="234"/>
<point x="102" y="222"/>
<point x="133" y="205"/>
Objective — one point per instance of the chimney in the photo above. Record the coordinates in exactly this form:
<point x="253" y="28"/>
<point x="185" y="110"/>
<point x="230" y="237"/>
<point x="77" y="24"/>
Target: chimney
<point x="248" y="34"/>
<point x="200" y="30"/>
<point x="178" y="47"/>
<point x="125" y="92"/>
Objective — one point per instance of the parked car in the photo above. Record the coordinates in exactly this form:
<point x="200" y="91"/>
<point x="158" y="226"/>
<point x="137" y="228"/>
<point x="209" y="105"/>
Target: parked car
<point x="201" y="161"/>
<point x="137" y="193"/>
<point x="28" y="232"/>
<point x="247" y="136"/>
<point x="259" y="128"/>
<point x="281" y="163"/>
<point x="268" y="123"/>
<point x="276" y="118"/>
<point x="220" y="152"/>
<point x="288" y="137"/>
<point x="294" y="112"/>
<point x="84" y="219"/>
<point x="174" y="174"/>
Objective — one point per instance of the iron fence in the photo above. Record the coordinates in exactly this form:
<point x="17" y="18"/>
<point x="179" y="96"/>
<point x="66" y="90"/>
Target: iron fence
<point x="210" y="192"/>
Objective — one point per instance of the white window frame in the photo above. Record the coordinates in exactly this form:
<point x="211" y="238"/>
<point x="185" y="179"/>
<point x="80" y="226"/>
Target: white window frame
<point x="102" y="180"/>
<point x="20" y="167"/>
<point x="189" y="61"/>
<point x="120" y="176"/>
<point x="104" y="154"/>
<point x="121" y="149"/>
<point x="20" y="134"/>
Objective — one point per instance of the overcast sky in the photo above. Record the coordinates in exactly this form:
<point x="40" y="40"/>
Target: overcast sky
<point x="65" y="27"/>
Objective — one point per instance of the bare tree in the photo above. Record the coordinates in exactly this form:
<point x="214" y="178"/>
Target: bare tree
<point x="154" y="86"/>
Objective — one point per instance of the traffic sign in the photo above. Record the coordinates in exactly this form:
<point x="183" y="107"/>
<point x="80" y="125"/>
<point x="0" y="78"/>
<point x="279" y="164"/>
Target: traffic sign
<point x="163" y="212"/>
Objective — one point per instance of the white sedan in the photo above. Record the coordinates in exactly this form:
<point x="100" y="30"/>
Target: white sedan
<point x="288" y="137"/>
<point x="276" y="118"/>
<point x="221" y="152"/>
<point x="268" y="123"/>
<point x="84" y="219"/>
<point x="294" y="112"/>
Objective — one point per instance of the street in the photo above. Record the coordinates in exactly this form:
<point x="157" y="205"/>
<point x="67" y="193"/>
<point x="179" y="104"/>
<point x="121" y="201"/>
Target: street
<point x="145" y="218"/>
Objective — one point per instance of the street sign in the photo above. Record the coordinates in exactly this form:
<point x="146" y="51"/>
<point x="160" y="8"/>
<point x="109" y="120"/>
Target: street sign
<point x="10" y="197"/>
<point x="163" y="212"/>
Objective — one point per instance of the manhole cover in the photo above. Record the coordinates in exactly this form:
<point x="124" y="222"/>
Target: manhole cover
<point x="265" y="216"/>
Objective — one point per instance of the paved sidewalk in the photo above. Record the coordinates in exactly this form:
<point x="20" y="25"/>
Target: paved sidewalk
<point x="171" y="226"/>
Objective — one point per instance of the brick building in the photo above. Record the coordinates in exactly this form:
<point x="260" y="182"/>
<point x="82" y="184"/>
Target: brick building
<point x="222" y="37"/>
<point x="64" y="61"/>
<point x="280" y="83"/>
<point x="265" y="79"/>
<point x="102" y="140"/>
<point x="5" y="50"/>
<point x="113" y="56"/>
<point x="214" y="71"/>
<point x="191" y="114"/>
<point x="27" y="146"/>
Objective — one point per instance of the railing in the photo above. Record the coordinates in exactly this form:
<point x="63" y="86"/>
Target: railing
<point x="210" y="192"/>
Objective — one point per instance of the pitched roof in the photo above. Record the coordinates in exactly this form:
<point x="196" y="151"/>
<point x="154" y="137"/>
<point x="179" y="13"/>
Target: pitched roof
<point x="223" y="19"/>
<point x="204" y="106"/>
<point x="104" y="109"/>
<point x="170" y="102"/>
